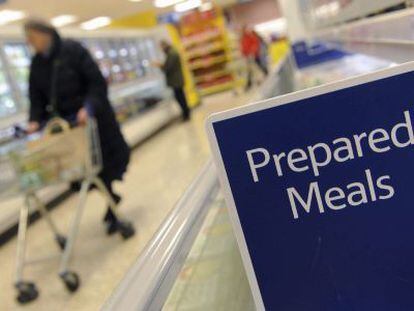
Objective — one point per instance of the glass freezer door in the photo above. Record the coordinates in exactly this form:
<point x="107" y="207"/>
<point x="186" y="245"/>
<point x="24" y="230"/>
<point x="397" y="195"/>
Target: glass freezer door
<point x="8" y="105"/>
<point x="213" y="276"/>
<point x="18" y="59"/>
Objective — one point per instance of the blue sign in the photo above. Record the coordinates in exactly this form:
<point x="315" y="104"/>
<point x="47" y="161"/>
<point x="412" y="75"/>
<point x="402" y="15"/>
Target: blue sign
<point x="309" y="54"/>
<point x="320" y="186"/>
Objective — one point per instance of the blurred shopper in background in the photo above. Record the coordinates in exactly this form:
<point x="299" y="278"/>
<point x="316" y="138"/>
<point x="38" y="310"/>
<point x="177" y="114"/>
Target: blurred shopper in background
<point x="173" y="71"/>
<point x="66" y="82"/>
<point x="252" y="47"/>
<point x="262" y="60"/>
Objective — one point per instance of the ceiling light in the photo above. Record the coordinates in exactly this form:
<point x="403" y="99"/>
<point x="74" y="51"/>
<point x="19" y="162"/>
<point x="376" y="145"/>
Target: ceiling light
<point x="8" y="16"/>
<point x="327" y="10"/>
<point x="165" y="3"/>
<point x="135" y="0"/>
<point x="187" y="5"/>
<point x="278" y="25"/>
<point x="96" y="23"/>
<point x="63" y="20"/>
<point x="206" y="6"/>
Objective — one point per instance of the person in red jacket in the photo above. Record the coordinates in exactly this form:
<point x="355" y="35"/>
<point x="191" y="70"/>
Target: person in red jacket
<point x="251" y="45"/>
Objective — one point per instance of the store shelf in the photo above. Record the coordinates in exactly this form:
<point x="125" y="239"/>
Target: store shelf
<point x="200" y="38"/>
<point x="205" y="63"/>
<point x="205" y="50"/>
<point x="217" y="88"/>
<point x="211" y="75"/>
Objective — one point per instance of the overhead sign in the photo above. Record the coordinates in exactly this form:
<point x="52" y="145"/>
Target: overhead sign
<point x="320" y="185"/>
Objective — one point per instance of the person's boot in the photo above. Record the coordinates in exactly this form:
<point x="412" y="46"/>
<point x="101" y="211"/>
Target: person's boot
<point x="186" y="117"/>
<point x="125" y="228"/>
<point x="110" y="218"/>
<point x="111" y="222"/>
<point x="114" y="225"/>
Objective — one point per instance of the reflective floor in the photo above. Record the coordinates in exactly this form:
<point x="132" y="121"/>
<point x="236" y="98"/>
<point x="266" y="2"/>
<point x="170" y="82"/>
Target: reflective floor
<point x="160" y="171"/>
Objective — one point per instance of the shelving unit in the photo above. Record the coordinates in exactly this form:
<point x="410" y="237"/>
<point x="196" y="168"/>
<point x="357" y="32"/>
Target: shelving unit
<point x="206" y="49"/>
<point x="123" y="60"/>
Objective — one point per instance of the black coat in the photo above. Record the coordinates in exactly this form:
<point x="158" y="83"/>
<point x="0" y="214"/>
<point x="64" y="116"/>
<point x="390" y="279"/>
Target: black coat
<point x="172" y="69"/>
<point x="68" y="79"/>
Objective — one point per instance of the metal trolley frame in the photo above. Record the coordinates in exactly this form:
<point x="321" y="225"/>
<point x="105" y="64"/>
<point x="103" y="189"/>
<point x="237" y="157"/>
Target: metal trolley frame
<point x="28" y="166"/>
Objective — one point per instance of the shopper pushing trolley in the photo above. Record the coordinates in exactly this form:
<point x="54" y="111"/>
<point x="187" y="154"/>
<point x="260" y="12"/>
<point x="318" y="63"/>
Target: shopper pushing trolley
<point x="66" y="82"/>
<point x="66" y="88"/>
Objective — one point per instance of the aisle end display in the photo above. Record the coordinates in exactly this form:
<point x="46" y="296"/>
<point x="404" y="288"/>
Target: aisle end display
<point x="207" y="50"/>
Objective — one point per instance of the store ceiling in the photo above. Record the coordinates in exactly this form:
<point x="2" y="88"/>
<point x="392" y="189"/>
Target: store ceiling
<point x="85" y="9"/>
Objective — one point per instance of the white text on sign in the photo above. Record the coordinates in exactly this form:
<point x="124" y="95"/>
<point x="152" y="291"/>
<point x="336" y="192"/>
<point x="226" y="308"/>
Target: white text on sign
<point x="315" y="158"/>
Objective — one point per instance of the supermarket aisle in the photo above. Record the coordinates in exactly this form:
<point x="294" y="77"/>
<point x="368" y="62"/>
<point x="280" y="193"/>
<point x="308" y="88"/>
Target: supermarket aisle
<point x="160" y="171"/>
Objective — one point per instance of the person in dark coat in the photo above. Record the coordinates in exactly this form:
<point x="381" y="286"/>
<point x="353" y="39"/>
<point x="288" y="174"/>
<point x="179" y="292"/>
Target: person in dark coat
<point x="66" y="82"/>
<point x="173" y="71"/>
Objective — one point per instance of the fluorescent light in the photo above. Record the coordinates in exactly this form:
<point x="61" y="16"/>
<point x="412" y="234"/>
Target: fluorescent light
<point x="8" y="16"/>
<point x="276" y="25"/>
<point x="206" y="6"/>
<point x="135" y="0"/>
<point x="187" y="5"/>
<point x="165" y="3"/>
<point x="96" y="23"/>
<point x="327" y="10"/>
<point x="63" y="20"/>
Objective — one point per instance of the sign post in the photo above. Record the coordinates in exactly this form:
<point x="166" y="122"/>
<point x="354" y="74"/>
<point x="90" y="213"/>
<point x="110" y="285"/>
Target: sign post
<point x="320" y="189"/>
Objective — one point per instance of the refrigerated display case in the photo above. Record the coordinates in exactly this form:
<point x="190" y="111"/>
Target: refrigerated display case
<point x="212" y="276"/>
<point x="99" y="54"/>
<point x="125" y="60"/>
<point x="340" y="69"/>
<point x="18" y="59"/>
<point x="8" y="103"/>
<point x="135" y="58"/>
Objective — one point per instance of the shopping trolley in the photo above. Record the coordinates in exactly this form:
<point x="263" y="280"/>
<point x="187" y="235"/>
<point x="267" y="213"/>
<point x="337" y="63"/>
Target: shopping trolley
<point x="59" y="155"/>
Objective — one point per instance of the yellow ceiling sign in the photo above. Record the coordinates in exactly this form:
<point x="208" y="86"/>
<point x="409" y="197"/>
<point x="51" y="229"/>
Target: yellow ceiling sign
<point x="144" y="19"/>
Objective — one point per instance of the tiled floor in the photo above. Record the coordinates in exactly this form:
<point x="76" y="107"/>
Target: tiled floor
<point x="160" y="171"/>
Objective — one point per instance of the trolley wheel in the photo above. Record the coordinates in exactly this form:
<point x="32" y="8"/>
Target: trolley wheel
<point x="71" y="280"/>
<point x="126" y="229"/>
<point x="27" y="292"/>
<point x="61" y="241"/>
